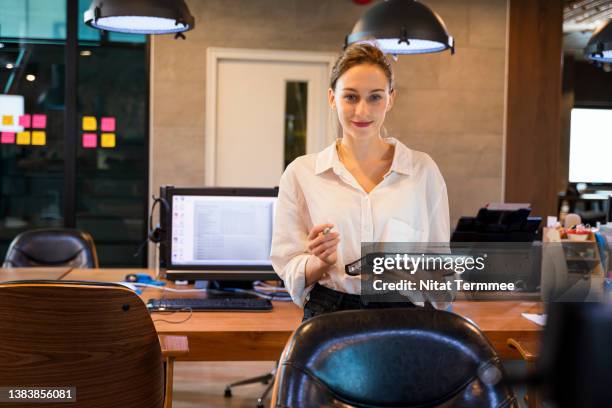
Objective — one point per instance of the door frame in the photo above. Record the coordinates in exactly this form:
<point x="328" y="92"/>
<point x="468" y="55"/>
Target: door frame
<point x="320" y="137"/>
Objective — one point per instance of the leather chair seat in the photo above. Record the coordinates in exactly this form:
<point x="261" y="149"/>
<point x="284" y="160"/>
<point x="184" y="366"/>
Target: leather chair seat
<point x="388" y="358"/>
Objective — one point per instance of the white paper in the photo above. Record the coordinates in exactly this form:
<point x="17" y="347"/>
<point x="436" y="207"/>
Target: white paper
<point x="539" y="319"/>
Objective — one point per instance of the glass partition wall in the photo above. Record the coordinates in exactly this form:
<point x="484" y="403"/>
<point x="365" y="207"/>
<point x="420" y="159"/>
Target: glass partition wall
<point x="81" y="161"/>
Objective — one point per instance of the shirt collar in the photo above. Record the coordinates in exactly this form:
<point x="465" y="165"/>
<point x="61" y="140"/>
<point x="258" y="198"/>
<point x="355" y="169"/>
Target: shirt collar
<point x="402" y="158"/>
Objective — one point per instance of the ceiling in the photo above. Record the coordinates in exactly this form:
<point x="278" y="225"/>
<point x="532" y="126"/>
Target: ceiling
<point x="580" y="18"/>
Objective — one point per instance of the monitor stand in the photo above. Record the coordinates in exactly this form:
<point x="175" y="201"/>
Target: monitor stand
<point x="223" y="285"/>
<point x="223" y="289"/>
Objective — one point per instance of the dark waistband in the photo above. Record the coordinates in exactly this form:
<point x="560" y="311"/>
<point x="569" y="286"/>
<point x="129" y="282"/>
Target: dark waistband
<point x="348" y="300"/>
<point x="323" y="292"/>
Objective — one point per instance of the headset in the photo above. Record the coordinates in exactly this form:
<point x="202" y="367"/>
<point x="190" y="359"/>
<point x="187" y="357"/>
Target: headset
<point x="157" y="234"/>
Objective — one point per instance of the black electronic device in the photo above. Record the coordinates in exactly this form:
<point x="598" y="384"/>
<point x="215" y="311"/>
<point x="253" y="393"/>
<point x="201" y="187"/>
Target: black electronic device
<point x="212" y="303"/>
<point x="218" y="233"/>
<point x="511" y="240"/>
<point x="498" y="226"/>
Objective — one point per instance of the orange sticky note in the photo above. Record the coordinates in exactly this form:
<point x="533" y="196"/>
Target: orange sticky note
<point x="7" y="120"/>
<point x="23" y="138"/>
<point x="108" y="140"/>
<point x="90" y="123"/>
<point x="39" y="138"/>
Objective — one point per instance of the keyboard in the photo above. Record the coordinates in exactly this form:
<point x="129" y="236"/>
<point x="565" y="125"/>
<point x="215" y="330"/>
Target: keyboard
<point x="209" y="304"/>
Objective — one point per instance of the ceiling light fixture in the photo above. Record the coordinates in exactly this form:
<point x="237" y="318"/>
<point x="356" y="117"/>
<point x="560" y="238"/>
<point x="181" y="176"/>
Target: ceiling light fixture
<point x="140" y="16"/>
<point x="402" y="27"/>
<point x="599" y="47"/>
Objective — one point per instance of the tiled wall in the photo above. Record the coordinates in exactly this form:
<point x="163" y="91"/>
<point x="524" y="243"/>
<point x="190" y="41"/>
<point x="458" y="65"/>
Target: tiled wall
<point x="451" y="107"/>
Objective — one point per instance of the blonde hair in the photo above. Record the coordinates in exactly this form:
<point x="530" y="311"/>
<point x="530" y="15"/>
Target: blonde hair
<point x="357" y="54"/>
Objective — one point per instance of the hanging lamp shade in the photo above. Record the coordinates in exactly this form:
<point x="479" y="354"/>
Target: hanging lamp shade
<point x="140" y="16"/>
<point x="599" y="47"/>
<point x="402" y="27"/>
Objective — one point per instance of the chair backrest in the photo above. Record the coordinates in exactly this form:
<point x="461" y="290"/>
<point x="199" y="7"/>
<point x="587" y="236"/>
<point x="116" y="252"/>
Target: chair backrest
<point x="98" y="338"/>
<point x="52" y="247"/>
<point x="388" y="358"/>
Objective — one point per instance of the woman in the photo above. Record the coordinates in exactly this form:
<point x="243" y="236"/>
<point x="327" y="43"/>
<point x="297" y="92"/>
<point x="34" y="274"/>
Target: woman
<point x="362" y="188"/>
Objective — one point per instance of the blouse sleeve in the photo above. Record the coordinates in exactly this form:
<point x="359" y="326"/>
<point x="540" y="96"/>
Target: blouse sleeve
<point x="289" y="237"/>
<point x="439" y="219"/>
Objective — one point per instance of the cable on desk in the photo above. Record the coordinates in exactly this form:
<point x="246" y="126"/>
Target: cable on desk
<point x="262" y="284"/>
<point x="164" y="288"/>
<point x="281" y="298"/>
<point x="186" y="309"/>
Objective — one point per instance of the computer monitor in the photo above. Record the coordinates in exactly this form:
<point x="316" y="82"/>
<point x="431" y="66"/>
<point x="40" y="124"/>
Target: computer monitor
<point x="218" y="233"/>
<point x="590" y="146"/>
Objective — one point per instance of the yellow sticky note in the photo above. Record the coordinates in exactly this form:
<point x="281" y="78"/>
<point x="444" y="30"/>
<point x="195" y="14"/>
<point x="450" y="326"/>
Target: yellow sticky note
<point x="7" y="120"/>
<point x="108" y="140"/>
<point x="23" y="138"/>
<point x="39" y="138"/>
<point x="90" y="123"/>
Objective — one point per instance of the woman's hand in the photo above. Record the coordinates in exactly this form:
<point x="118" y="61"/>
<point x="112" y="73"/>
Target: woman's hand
<point x="323" y="248"/>
<point x="324" y="245"/>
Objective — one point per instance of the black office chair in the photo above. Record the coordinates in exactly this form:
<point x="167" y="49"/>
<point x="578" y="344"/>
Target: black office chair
<point x="52" y="247"/>
<point x="390" y="358"/>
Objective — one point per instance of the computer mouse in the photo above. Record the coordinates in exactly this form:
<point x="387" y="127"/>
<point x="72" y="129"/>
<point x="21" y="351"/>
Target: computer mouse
<point x="138" y="277"/>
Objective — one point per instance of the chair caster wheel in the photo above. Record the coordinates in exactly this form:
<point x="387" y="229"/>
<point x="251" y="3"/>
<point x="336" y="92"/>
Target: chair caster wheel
<point x="227" y="393"/>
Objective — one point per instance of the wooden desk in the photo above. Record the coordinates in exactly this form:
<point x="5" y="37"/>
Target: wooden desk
<point x="251" y="336"/>
<point x="14" y="274"/>
<point x="215" y="336"/>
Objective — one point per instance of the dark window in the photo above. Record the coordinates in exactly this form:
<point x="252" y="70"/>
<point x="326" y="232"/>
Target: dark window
<point x="110" y="183"/>
<point x="296" y="103"/>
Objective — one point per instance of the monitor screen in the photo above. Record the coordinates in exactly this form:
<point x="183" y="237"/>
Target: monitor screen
<point x="590" y="145"/>
<point x="223" y="229"/>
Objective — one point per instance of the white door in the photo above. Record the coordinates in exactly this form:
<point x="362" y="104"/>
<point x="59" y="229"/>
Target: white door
<point x="246" y="125"/>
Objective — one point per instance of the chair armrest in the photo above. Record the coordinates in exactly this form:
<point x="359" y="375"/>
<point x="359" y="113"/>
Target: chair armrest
<point x="173" y="346"/>
<point x="527" y="350"/>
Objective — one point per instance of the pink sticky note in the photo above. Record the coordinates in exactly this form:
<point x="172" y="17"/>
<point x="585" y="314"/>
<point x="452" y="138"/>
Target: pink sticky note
<point x="39" y="121"/>
<point x="90" y="140"/>
<point x="108" y="124"/>
<point x="7" y="138"/>
<point x="25" y="121"/>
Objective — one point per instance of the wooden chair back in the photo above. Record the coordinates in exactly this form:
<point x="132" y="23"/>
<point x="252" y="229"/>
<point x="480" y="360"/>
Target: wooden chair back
<point x="98" y="338"/>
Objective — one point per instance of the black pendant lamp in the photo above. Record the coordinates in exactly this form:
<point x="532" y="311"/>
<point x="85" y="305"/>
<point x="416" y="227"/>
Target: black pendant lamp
<point x="402" y="27"/>
<point x="599" y="47"/>
<point x="140" y="16"/>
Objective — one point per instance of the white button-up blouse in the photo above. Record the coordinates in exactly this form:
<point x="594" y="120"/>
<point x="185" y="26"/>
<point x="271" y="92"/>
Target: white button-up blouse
<point x="410" y="204"/>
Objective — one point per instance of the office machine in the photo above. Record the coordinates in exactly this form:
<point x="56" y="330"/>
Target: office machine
<point x="511" y="239"/>
<point x="493" y="225"/>
<point x="217" y="233"/>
